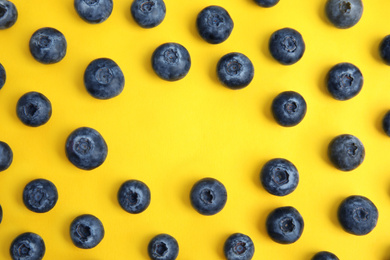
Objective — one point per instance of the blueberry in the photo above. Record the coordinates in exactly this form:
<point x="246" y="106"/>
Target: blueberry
<point x="27" y="246"/>
<point x="104" y="79"/>
<point x="6" y="156"/>
<point x="48" y="45"/>
<point x="286" y="46"/>
<point x="8" y="14"/>
<point x="214" y="24"/>
<point x="93" y="11"/>
<point x="163" y="247"/>
<point x="386" y="123"/>
<point x="358" y="215"/>
<point x="40" y="195"/>
<point x="346" y="152"/>
<point x="86" y="148"/>
<point x="134" y="196"/>
<point x="344" y="13"/>
<point x="3" y="76"/>
<point x="235" y="70"/>
<point x="208" y="196"/>
<point x="1" y="214"/>
<point x="86" y="231"/>
<point x="384" y="49"/>
<point x="267" y="3"/>
<point x="279" y="177"/>
<point x="239" y="247"/>
<point x="171" y="61"/>
<point x="34" y="109"/>
<point x="344" y="81"/>
<point x="285" y="225"/>
<point x="324" y="255"/>
<point x="148" y="13"/>
<point x="289" y="108"/>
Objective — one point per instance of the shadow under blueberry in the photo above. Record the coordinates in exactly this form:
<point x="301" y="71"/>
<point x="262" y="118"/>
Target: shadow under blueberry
<point x="185" y="193"/>
<point x="324" y="151"/>
<point x="322" y="79"/>
<point x="143" y="249"/>
<point x="193" y="29"/>
<point x="322" y="14"/>
<point x="262" y="221"/>
<point x="375" y="50"/>
<point x="265" y="47"/>
<point x="221" y="243"/>
<point x="147" y="62"/>
<point x="386" y="255"/>
<point x="256" y="174"/>
<point x="66" y="229"/>
<point x="333" y="212"/>
<point x="267" y="108"/>
<point x="379" y="120"/>
<point x="213" y="74"/>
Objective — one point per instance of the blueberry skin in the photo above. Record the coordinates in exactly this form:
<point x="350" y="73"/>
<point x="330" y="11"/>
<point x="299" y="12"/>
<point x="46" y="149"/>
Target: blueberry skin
<point x="386" y="123"/>
<point x="103" y="79"/>
<point x="6" y="156"/>
<point x="40" y="195"/>
<point x="214" y="24"/>
<point x="285" y="225"/>
<point x="287" y="46"/>
<point x="148" y="13"/>
<point x="289" y="108"/>
<point x="34" y="109"/>
<point x="93" y="11"/>
<point x="134" y="196"/>
<point x="267" y="3"/>
<point x="3" y="76"/>
<point x="324" y="255"/>
<point x="279" y="177"/>
<point x="48" y="45"/>
<point x="171" y="61"/>
<point x="384" y="49"/>
<point x="86" y="148"/>
<point x="346" y="152"/>
<point x="235" y="70"/>
<point x="344" y="81"/>
<point x="239" y="247"/>
<point x="27" y="246"/>
<point x="357" y="215"/>
<point x="208" y="196"/>
<point x="86" y="231"/>
<point x="8" y="14"/>
<point x="344" y="13"/>
<point x="163" y="247"/>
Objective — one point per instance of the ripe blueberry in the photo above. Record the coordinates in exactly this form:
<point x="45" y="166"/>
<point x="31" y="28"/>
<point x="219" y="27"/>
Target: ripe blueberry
<point x="8" y="14"/>
<point x="346" y="152"/>
<point x="324" y="255"/>
<point x="358" y="215"/>
<point x="6" y="156"/>
<point x="214" y="24"/>
<point x="134" y="196"/>
<point x="239" y="247"/>
<point x="86" y="231"/>
<point x="267" y="3"/>
<point x="235" y="70"/>
<point x="286" y="46"/>
<point x="384" y="49"/>
<point x="344" y="13"/>
<point x="208" y="196"/>
<point x="289" y="108"/>
<point x="27" y="246"/>
<point x="3" y="76"/>
<point x="163" y="247"/>
<point x="33" y="109"/>
<point x="48" y="45"/>
<point x="148" y="13"/>
<point x="93" y="11"/>
<point x="40" y="195"/>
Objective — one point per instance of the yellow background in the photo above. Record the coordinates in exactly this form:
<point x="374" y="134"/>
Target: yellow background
<point x="171" y="134"/>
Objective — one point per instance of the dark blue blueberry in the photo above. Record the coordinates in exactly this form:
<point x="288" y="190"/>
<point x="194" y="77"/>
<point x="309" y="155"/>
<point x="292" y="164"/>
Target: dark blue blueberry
<point x="86" y="231"/>
<point x="148" y="13"/>
<point x="163" y="247"/>
<point x="267" y="3"/>
<point x="285" y="225"/>
<point x="344" y="13"/>
<point x="40" y="195"/>
<point x="93" y="11"/>
<point x="239" y="247"/>
<point x="171" y="61"/>
<point x="324" y="255"/>
<point x="286" y="46"/>
<point x="27" y="246"/>
<point x="48" y="45"/>
<point x="289" y="108"/>
<point x="386" y="123"/>
<point x="346" y="152"/>
<point x="214" y="24"/>
<point x="6" y="156"/>
<point x="384" y="49"/>
<point x="3" y="76"/>
<point x="33" y="109"/>
<point x="344" y="81"/>
<point x="235" y="70"/>
<point x="358" y="215"/>
<point x="279" y="177"/>
<point x="208" y="196"/>
<point x="134" y="196"/>
<point x="86" y="148"/>
<point x="8" y="14"/>
<point x="104" y="79"/>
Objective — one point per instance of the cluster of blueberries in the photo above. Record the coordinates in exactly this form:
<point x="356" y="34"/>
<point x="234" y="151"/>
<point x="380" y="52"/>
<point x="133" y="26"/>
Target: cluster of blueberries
<point x="103" y="79"/>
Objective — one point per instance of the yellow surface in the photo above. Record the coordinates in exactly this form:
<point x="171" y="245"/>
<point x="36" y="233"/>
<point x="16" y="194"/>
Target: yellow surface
<point x="171" y="134"/>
